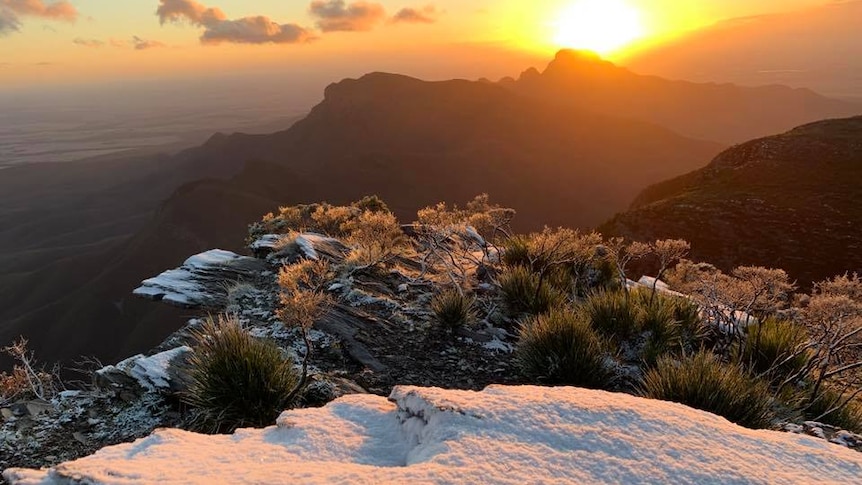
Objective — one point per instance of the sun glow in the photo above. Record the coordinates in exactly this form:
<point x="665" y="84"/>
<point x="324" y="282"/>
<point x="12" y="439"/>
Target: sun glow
<point x="602" y="26"/>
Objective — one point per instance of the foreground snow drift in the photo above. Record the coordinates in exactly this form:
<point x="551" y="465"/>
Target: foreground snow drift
<point x="500" y="435"/>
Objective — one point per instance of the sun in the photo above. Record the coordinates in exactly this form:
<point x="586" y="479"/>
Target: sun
<point x="602" y="26"/>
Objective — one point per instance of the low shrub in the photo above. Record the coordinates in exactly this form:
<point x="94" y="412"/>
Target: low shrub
<point x="560" y="347"/>
<point x="452" y="310"/>
<point x="524" y="293"/>
<point x="703" y="382"/>
<point x="236" y="379"/>
<point x="673" y="323"/>
<point x="773" y="348"/>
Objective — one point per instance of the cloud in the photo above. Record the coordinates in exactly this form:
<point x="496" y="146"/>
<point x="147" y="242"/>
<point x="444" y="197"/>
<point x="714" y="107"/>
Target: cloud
<point x="9" y="22"/>
<point x="410" y="15"/>
<point x="338" y="16"/>
<point x="255" y="30"/>
<point x="193" y="12"/>
<point x="218" y="28"/>
<point x="88" y="42"/>
<point x="11" y="12"/>
<point x="142" y="44"/>
<point x="59" y="10"/>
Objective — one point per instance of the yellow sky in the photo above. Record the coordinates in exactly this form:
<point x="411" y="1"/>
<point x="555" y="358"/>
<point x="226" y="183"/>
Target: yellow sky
<point x="100" y="44"/>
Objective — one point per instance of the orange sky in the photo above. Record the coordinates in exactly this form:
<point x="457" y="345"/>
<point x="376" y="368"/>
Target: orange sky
<point x="82" y="41"/>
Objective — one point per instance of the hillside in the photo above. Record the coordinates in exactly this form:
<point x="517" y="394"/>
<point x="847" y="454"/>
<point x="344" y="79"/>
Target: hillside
<point x="410" y="141"/>
<point x="725" y="113"/>
<point x="789" y="201"/>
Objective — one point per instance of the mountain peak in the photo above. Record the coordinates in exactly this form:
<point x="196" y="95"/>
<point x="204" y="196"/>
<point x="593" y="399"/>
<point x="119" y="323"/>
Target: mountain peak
<point x="568" y="60"/>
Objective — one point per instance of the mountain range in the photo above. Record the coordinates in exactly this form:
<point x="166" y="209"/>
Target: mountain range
<point x="78" y="237"/>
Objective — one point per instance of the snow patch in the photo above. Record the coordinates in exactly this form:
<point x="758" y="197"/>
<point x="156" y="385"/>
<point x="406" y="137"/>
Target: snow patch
<point x="150" y="372"/>
<point x="508" y="435"/>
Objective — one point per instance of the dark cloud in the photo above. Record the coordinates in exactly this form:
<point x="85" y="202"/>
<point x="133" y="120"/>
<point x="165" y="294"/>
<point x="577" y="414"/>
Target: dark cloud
<point x="218" y="28"/>
<point x="11" y="12"/>
<point x="410" y="15"/>
<point x="338" y="16"/>
<point x="88" y="42"/>
<point x="142" y="44"/>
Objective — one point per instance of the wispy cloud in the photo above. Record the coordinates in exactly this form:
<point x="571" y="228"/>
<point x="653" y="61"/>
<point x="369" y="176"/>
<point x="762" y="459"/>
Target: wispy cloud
<point x="88" y="42"/>
<point x="338" y="16"/>
<point x="143" y="44"/>
<point x="410" y="15"/>
<point x="11" y="12"/>
<point x="218" y="28"/>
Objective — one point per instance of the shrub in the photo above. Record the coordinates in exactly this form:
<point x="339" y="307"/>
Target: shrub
<point x="516" y="252"/>
<point x="827" y="408"/>
<point x="452" y="309"/>
<point x="774" y="348"/>
<point x="613" y="314"/>
<point x="376" y="238"/>
<point x="236" y="380"/>
<point x="673" y="323"/>
<point x="524" y="293"/>
<point x="703" y="382"/>
<point x="561" y="348"/>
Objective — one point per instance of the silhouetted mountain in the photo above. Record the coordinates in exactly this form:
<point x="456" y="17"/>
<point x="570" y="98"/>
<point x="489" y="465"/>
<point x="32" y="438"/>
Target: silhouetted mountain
<point x="721" y="112"/>
<point x="789" y="201"/>
<point x="817" y="48"/>
<point x="412" y="142"/>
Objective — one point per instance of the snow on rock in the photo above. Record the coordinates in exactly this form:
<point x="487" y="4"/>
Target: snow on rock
<point x="150" y="372"/>
<point x="200" y="280"/>
<point x="500" y="435"/>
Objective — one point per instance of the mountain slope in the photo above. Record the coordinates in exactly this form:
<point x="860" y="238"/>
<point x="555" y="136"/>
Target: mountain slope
<point x="789" y="201"/>
<point x="721" y="112"/>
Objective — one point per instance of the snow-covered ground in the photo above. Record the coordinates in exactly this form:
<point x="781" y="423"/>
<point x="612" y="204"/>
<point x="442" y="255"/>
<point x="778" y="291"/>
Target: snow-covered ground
<point x="500" y="435"/>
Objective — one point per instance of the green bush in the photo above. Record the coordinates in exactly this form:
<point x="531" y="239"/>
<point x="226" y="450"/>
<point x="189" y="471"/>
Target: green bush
<point x="516" y="252"/>
<point x="820" y="409"/>
<point x="236" y="379"/>
<point x="770" y="348"/>
<point x="561" y="348"/>
<point x="613" y="314"/>
<point x="523" y="293"/>
<point x="673" y="323"/>
<point x="703" y="382"/>
<point x="452" y="310"/>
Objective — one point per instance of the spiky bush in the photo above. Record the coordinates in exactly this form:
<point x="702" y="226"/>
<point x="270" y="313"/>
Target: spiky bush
<point x="236" y="379"/>
<point x="775" y="348"/>
<point x="703" y="382"/>
<point x="523" y="292"/>
<point x="516" y="251"/>
<point x="560" y="347"/>
<point x="452" y="310"/>
<point x="614" y="314"/>
<point x="673" y="323"/>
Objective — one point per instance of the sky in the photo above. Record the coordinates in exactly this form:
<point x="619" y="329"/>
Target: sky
<point x="60" y="42"/>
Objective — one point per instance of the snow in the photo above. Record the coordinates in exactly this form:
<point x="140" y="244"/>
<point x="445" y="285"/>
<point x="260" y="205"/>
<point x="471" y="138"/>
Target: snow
<point x="213" y="257"/>
<point x="507" y="435"/>
<point x="306" y="245"/>
<point x="150" y="372"/>
<point x="186" y="286"/>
